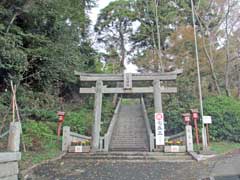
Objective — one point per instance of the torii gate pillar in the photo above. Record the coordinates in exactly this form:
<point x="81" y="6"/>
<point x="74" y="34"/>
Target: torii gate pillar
<point x="157" y="96"/>
<point x="96" y="128"/>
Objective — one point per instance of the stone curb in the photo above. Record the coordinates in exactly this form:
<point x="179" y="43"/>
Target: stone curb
<point x="201" y="157"/>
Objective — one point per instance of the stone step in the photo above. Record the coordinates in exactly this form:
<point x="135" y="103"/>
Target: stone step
<point x="130" y="153"/>
<point x="126" y="137"/>
<point x="129" y="156"/>
<point x="129" y="145"/>
<point x="129" y="132"/>
<point x="128" y="141"/>
<point x="126" y="149"/>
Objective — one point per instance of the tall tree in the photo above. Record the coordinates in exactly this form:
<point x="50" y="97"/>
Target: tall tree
<point x="158" y="19"/>
<point x="114" y="25"/>
<point x="43" y="42"/>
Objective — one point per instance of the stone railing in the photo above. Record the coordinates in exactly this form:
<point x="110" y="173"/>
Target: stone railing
<point x="108" y="135"/>
<point x="9" y="160"/>
<point x="180" y="136"/>
<point x="69" y="137"/>
<point x="147" y="123"/>
<point x="9" y="165"/>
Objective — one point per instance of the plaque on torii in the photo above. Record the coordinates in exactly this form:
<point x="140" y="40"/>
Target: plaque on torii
<point x="127" y="84"/>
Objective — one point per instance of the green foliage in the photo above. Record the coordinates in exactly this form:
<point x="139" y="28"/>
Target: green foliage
<point x="225" y="112"/>
<point x="115" y="24"/>
<point x="80" y="119"/>
<point x="107" y="114"/>
<point x="79" y="122"/>
<point x="170" y="15"/>
<point x="43" y="42"/>
<point x="41" y="142"/>
<point x="37" y="134"/>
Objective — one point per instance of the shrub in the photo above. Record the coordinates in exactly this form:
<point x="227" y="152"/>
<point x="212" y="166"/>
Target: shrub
<point x="37" y="134"/>
<point x="225" y="112"/>
<point x="79" y="122"/>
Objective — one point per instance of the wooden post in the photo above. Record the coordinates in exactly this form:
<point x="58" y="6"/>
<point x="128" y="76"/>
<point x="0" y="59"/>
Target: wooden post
<point x="157" y="96"/>
<point x="97" y="117"/>
<point x="66" y="138"/>
<point x="14" y="136"/>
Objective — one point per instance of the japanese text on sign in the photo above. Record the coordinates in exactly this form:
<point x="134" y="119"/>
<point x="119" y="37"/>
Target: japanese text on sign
<point x="159" y="128"/>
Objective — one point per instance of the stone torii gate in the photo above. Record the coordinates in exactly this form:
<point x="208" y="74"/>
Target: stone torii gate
<point x="128" y="88"/>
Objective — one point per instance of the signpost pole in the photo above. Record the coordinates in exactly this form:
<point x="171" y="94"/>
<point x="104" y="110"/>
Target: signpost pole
<point x="205" y="147"/>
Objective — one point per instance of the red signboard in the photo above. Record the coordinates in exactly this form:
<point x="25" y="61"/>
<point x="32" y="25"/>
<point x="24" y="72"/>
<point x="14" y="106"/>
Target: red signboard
<point x="159" y="117"/>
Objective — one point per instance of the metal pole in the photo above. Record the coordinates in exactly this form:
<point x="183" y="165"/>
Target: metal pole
<point x="199" y="77"/>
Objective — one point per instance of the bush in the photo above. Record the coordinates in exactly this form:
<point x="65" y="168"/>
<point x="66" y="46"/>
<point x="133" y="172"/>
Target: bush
<point x="79" y="122"/>
<point x="225" y="112"/>
<point x="37" y="134"/>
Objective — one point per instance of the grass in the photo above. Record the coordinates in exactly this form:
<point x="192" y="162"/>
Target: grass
<point x="221" y="147"/>
<point x="130" y="101"/>
<point x="224" y="147"/>
<point x="30" y="158"/>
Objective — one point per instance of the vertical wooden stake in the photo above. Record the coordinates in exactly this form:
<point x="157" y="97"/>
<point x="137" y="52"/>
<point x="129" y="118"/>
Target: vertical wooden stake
<point x="196" y="132"/>
<point x="208" y="141"/>
<point x="13" y="101"/>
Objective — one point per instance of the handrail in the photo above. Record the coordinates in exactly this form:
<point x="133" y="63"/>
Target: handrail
<point x="149" y="130"/>
<point x="4" y="134"/>
<point x="80" y="136"/>
<point x="175" y="136"/>
<point x="108" y="135"/>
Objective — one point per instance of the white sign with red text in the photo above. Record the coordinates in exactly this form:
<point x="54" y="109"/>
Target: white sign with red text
<point x="159" y="129"/>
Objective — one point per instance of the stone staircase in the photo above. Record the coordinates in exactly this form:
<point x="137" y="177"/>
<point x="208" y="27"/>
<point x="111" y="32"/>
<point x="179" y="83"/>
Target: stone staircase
<point x="130" y="133"/>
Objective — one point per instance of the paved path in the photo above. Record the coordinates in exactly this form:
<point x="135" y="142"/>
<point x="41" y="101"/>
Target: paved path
<point x="226" y="167"/>
<point x="221" y="168"/>
<point x="119" y="170"/>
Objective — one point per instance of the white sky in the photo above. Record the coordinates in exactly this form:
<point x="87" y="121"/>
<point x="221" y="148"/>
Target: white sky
<point x="93" y="14"/>
<point x="95" y="11"/>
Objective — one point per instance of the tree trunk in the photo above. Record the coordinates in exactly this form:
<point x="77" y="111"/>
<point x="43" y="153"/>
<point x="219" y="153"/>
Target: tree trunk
<point x="11" y="22"/>
<point x="122" y="46"/>
<point x="161" y="68"/>
<point x="209" y="55"/>
<point x="227" y="66"/>
<point x="239" y="83"/>
<point x="210" y="62"/>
